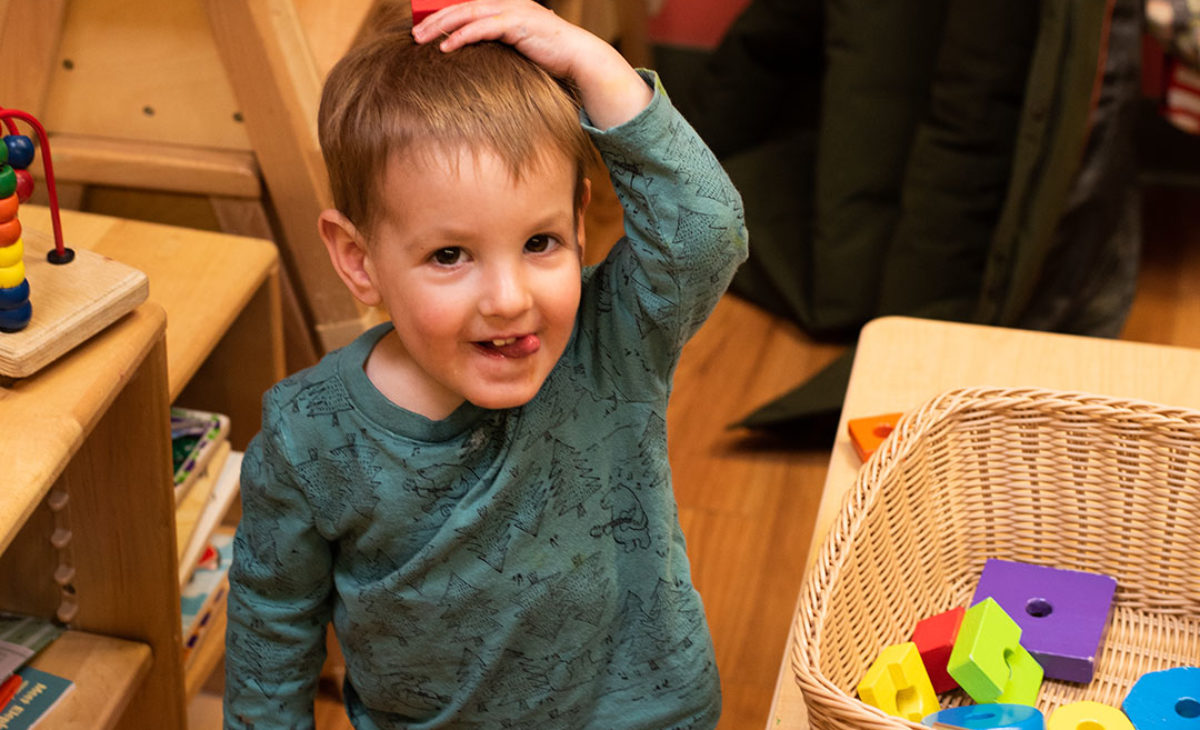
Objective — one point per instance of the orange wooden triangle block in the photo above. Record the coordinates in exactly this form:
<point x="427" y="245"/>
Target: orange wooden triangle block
<point x="868" y="433"/>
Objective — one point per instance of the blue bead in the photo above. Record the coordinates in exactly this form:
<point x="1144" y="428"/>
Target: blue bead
<point x="20" y="150"/>
<point x="12" y="320"/>
<point x="14" y="296"/>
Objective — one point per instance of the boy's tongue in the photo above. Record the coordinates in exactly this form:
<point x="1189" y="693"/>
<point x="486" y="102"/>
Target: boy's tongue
<point x="522" y="346"/>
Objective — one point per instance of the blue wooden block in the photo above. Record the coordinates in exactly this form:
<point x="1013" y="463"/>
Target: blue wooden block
<point x="1165" y="700"/>
<point x="1062" y="613"/>
<point x="989" y="717"/>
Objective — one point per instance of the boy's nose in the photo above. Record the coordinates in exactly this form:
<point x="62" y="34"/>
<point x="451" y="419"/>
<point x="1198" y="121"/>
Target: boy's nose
<point x="506" y="294"/>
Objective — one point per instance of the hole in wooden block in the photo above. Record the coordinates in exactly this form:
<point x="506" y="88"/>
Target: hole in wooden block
<point x="1187" y="707"/>
<point x="1039" y="608"/>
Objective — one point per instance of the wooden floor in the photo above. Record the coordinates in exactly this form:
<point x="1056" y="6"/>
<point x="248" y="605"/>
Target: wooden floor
<point x="747" y="506"/>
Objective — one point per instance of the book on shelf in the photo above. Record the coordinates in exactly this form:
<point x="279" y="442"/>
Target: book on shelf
<point x="21" y="637"/>
<point x="195" y="438"/>
<point x="203" y="597"/>
<point x="33" y="699"/>
<point x="203" y="517"/>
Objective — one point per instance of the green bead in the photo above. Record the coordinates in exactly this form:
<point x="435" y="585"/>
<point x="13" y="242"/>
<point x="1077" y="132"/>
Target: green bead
<point x="3" y="154"/>
<point x="8" y="181"/>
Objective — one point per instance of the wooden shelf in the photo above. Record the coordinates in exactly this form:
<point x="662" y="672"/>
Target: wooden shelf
<point x="207" y="654"/>
<point x="92" y="429"/>
<point x="106" y="672"/>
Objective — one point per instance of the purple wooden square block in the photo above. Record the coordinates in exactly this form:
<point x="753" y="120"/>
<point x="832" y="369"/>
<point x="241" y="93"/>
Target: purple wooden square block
<point x="1062" y="613"/>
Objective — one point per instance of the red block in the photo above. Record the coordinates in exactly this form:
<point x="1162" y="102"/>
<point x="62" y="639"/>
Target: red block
<point x="934" y="638"/>
<point x="422" y="9"/>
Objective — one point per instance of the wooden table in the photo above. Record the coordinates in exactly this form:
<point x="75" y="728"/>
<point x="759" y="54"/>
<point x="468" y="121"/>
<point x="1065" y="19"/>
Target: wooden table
<point x="91" y="430"/>
<point x="903" y="362"/>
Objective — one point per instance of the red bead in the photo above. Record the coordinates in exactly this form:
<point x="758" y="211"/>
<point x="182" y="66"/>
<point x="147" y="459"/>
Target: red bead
<point x="24" y="185"/>
<point x="8" y="207"/>
<point x="10" y="232"/>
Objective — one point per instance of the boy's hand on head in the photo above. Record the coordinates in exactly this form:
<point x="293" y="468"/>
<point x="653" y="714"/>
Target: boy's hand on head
<point x="612" y="92"/>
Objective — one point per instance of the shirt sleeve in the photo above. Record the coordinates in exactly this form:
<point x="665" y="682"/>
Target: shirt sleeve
<point x="685" y="234"/>
<point x="280" y="586"/>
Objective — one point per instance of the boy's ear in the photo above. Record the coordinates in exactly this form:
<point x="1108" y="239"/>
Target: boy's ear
<point x="585" y="197"/>
<point x="349" y="256"/>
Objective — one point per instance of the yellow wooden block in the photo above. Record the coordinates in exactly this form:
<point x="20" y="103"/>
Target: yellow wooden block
<point x="1088" y="716"/>
<point x="898" y="684"/>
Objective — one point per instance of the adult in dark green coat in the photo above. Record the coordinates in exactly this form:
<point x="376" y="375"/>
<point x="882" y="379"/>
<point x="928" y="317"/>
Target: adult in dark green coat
<point x="957" y="159"/>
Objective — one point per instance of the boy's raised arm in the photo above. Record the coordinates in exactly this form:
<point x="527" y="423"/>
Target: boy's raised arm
<point x="612" y="91"/>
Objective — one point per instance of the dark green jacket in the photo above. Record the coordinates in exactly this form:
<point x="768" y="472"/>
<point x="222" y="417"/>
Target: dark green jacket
<point x="957" y="159"/>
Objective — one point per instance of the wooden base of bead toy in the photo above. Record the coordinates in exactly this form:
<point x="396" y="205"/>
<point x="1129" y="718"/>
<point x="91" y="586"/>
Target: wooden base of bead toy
<point x="70" y="304"/>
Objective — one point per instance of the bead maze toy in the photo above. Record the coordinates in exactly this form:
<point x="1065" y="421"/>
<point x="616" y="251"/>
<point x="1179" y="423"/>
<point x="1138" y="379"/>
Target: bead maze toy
<point x="76" y="295"/>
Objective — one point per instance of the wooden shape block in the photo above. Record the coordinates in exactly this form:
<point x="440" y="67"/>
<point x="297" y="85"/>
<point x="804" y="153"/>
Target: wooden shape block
<point x="1062" y="613"/>
<point x="934" y="637"/>
<point x="898" y="684"/>
<point x="988" y="717"/>
<point x="422" y="9"/>
<point x="71" y="303"/>
<point x="1088" y="716"/>
<point x="868" y="433"/>
<point x="988" y="661"/>
<point x="1165" y="700"/>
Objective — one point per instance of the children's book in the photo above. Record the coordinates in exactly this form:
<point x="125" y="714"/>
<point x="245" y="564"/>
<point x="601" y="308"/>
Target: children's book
<point x="195" y="436"/>
<point x="204" y="595"/>
<point x="21" y="637"/>
<point x="38" y="693"/>
<point x="189" y="511"/>
<point x="214" y="508"/>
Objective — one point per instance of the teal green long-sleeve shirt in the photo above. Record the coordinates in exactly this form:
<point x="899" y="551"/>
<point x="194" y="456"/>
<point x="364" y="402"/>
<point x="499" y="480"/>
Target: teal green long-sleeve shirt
<point x="499" y="568"/>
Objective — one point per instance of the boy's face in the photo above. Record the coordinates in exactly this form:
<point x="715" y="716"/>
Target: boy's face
<point x="480" y="274"/>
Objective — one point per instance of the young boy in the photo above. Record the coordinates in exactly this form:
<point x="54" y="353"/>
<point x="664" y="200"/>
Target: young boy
<point x="478" y="493"/>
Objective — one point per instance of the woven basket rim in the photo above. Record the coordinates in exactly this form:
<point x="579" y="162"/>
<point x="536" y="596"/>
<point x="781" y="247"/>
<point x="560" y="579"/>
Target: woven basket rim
<point x="805" y="647"/>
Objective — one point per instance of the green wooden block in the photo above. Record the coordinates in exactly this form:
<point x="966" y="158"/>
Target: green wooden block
<point x="988" y="661"/>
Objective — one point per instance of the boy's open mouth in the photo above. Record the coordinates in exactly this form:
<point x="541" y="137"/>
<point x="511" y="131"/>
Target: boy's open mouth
<point x="521" y="346"/>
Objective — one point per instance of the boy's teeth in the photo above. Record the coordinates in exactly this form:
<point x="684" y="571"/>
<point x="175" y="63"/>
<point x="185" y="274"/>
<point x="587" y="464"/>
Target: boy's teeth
<point x="503" y="342"/>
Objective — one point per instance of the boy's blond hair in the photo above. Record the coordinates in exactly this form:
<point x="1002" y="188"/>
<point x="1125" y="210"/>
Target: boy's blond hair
<point x="390" y="96"/>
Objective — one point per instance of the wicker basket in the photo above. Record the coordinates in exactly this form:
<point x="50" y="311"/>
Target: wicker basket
<point x="1061" y="479"/>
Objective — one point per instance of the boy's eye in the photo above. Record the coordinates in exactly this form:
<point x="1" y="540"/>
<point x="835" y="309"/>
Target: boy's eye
<point x="539" y="243"/>
<point x="447" y="256"/>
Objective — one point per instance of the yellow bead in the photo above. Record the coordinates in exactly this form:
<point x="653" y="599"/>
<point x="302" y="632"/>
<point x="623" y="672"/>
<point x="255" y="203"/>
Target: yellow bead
<point x="10" y="255"/>
<point x="11" y="276"/>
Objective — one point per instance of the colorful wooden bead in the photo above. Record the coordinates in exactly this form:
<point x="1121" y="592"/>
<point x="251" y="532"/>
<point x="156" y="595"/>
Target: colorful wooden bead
<point x="11" y="276"/>
<point x="20" y="150"/>
<point x="12" y="253"/>
<point x="1165" y="700"/>
<point x="934" y="637"/>
<point x="989" y="717"/>
<point x="897" y="684"/>
<point x="15" y="296"/>
<point x="9" y="207"/>
<point x="10" y="231"/>
<point x="15" y="320"/>
<point x="988" y="661"/>
<point x="8" y="181"/>
<point x="867" y="434"/>
<point x="1062" y="613"/>
<point x="422" y="9"/>
<point x="1088" y="716"/>
<point x="24" y="185"/>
